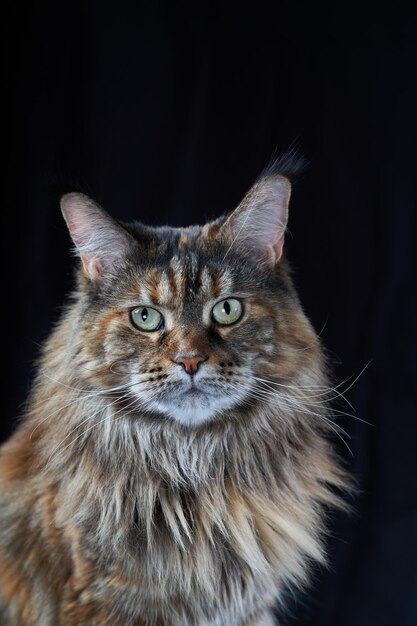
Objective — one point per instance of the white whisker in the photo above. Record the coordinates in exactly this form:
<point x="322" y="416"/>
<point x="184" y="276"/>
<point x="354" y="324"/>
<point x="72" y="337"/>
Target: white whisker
<point x="283" y="399"/>
<point x="323" y="405"/>
<point x="87" y="419"/>
<point x="88" y="392"/>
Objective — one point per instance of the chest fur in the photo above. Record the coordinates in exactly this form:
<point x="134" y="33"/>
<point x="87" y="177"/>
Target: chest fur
<point x="218" y="550"/>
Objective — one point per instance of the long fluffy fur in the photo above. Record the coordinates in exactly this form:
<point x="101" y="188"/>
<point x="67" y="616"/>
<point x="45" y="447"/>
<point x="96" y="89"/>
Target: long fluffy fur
<point x="115" y="515"/>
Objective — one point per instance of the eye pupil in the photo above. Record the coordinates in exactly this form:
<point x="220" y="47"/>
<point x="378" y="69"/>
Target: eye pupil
<point x="146" y="318"/>
<point x="227" y="312"/>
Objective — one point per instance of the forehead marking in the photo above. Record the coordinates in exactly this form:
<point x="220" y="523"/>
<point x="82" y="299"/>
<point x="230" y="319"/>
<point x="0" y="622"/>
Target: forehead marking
<point x="172" y="283"/>
<point x="183" y="279"/>
<point x="143" y="292"/>
<point x="149" y="288"/>
<point x="192" y="276"/>
<point x="178" y="274"/>
<point x="224" y="282"/>
<point x="207" y="281"/>
<point x="153" y="285"/>
<point x="165" y="294"/>
<point x="215" y="286"/>
<point x="176" y="265"/>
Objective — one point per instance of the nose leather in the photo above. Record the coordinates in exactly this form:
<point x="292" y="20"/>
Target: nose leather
<point x="190" y="362"/>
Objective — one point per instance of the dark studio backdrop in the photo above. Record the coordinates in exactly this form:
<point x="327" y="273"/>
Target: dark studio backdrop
<point x="166" y="112"/>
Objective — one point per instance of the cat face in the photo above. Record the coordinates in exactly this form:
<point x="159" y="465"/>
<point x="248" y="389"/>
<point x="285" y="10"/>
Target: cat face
<point x="161" y="329"/>
<point x="187" y="324"/>
<point x="192" y="366"/>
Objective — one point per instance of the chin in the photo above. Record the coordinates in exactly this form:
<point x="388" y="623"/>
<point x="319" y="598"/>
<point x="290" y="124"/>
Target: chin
<point x="194" y="407"/>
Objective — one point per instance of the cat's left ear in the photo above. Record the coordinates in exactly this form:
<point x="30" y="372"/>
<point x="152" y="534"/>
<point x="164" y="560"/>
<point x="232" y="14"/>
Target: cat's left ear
<point x="100" y="241"/>
<point x="258" y="224"/>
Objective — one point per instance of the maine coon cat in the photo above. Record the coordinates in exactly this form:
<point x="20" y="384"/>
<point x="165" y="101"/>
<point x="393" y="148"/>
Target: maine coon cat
<point x="174" y="465"/>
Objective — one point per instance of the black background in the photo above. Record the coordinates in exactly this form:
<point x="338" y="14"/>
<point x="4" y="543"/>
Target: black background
<point x="166" y="112"/>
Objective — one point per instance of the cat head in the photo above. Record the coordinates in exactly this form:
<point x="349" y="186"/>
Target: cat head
<point x="189" y="324"/>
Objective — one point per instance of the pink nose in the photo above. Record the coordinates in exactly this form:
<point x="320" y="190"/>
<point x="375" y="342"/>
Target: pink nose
<point x="190" y="362"/>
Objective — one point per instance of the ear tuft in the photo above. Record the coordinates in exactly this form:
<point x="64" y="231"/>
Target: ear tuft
<point x="290" y="164"/>
<point x="258" y="224"/>
<point x="99" y="239"/>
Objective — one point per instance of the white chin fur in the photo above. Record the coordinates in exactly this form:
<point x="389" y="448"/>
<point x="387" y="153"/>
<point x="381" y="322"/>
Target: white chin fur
<point x="193" y="411"/>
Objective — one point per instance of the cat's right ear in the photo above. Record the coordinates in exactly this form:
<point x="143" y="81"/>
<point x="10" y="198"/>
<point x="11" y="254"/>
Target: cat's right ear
<point x="100" y="241"/>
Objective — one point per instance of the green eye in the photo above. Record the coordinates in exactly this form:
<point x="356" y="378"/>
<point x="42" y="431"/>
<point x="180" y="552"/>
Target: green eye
<point x="227" y="311"/>
<point x="145" y="318"/>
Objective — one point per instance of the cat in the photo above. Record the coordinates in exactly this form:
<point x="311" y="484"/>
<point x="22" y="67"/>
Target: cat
<point x="175" y="465"/>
